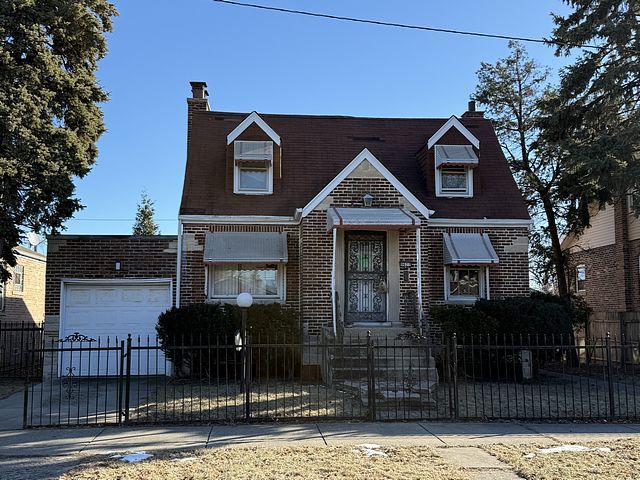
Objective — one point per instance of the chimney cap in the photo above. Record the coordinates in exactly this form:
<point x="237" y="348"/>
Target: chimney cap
<point x="199" y="89"/>
<point x="472" y="106"/>
<point x="471" y="110"/>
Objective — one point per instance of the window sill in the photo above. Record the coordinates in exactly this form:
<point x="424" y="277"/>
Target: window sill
<point x="461" y="301"/>
<point x="252" y="193"/>
<point x="232" y="301"/>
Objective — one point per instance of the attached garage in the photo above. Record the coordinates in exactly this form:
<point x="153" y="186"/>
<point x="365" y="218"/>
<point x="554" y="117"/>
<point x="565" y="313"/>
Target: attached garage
<point x="110" y="310"/>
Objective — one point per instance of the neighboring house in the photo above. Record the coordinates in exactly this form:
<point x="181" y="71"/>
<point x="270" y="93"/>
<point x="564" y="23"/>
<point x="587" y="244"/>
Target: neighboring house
<point x="604" y="261"/>
<point x="354" y="222"/>
<point x="22" y="296"/>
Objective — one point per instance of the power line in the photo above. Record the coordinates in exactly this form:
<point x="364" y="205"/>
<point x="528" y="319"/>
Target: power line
<point x="118" y="220"/>
<point x="408" y="26"/>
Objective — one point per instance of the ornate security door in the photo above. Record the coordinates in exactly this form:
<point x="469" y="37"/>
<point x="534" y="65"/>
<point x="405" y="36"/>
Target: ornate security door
<point x="366" y="277"/>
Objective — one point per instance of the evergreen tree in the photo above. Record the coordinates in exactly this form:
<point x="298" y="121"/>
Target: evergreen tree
<point x="513" y="91"/>
<point x="49" y="114"/>
<point x="595" y="118"/>
<point x="145" y="224"/>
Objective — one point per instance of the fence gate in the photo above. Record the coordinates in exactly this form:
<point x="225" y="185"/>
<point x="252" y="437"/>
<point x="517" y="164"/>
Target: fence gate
<point x="62" y="392"/>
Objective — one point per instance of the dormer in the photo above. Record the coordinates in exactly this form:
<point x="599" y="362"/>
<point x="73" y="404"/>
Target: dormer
<point x="254" y="148"/>
<point x="455" y="158"/>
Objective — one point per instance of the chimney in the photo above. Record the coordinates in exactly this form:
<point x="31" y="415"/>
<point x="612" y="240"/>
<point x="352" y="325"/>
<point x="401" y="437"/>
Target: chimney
<point x="471" y="110"/>
<point x="199" y="90"/>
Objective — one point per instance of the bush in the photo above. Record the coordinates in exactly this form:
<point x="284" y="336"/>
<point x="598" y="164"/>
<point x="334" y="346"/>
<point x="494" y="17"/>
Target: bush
<point x="197" y="325"/>
<point x="275" y="334"/>
<point x="462" y="320"/>
<point x="210" y="328"/>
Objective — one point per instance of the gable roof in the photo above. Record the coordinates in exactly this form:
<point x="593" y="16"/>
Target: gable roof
<point x="317" y="148"/>
<point x="247" y="122"/>
<point x="361" y="157"/>
<point x="453" y="122"/>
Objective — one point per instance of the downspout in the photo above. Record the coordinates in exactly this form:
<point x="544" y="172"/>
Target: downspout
<point x="333" y="284"/>
<point x="419" y="279"/>
<point x="179" y="263"/>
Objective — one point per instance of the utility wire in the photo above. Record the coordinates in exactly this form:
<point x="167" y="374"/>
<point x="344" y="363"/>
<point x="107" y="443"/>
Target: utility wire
<point x="408" y="26"/>
<point x="118" y="220"/>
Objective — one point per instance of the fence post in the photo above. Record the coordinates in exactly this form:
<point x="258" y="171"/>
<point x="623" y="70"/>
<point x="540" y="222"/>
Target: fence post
<point x="247" y="374"/>
<point x="127" y="380"/>
<point x="25" y="414"/>
<point x="454" y="373"/>
<point x="371" y="380"/>
<point x="612" y="410"/>
<point x="121" y="381"/>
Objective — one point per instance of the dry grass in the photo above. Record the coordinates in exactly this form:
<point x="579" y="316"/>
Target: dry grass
<point x="9" y="386"/>
<point x="189" y="401"/>
<point x="622" y="463"/>
<point x="275" y="463"/>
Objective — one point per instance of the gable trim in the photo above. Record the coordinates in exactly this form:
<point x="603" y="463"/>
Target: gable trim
<point x="247" y="122"/>
<point x="453" y="122"/>
<point x="361" y="157"/>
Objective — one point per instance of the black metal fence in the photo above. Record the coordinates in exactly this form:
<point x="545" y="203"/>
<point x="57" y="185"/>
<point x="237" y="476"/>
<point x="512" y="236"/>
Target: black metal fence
<point x="17" y="339"/>
<point x="210" y="379"/>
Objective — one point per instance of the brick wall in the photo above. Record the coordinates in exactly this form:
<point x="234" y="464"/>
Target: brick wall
<point x="192" y="277"/>
<point x="509" y="278"/>
<point x="28" y="305"/>
<point x="95" y="256"/>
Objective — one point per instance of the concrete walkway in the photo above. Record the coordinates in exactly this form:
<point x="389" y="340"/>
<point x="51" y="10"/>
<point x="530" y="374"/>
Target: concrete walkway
<point x="60" y="449"/>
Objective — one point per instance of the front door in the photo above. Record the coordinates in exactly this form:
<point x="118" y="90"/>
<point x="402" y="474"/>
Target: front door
<point x="366" y="277"/>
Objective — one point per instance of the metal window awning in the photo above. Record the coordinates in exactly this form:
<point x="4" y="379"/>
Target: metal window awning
<point x="371" y="218"/>
<point x="246" y="247"/>
<point x="468" y="249"/>
<point x="456" y="155"/>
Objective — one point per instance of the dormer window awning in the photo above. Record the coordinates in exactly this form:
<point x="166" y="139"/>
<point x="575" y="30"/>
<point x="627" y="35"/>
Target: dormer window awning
<point x="455" y="156"/>
<point x="252" y="151"/>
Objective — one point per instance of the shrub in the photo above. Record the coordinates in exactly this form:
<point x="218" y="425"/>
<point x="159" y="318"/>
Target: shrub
<point x="197" y="325"/>
<point x="462" y="320"/>
<point x="210" y="328"/>
<point x="275" y="334"/>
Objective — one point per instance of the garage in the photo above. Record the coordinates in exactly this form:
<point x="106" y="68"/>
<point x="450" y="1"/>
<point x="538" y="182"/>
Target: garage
<point x="108" y="311"/>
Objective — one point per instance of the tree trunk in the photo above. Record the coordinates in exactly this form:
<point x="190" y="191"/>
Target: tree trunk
<point x="556" y="250"/>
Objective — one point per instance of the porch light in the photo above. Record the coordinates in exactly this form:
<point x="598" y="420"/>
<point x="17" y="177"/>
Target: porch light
<point x="367" y="199"/>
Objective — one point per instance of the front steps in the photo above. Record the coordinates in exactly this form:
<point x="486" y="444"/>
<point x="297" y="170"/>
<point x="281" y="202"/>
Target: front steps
<point x="404" y="371"/>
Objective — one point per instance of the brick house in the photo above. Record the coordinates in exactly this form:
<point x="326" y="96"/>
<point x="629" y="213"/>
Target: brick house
<point x="354" y="222"/>
<point x="22" y="296"/>
<point x="604" y="262"/>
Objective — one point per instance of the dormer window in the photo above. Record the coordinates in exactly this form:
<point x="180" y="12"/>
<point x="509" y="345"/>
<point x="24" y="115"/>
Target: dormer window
<point x="253" y="167"/>
<point x="454" y="170"/>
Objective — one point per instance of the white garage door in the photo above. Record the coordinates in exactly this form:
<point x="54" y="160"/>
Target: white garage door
<point x="110" y="312"/>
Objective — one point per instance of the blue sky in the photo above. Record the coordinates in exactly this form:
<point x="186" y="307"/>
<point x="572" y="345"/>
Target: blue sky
<point x="277" y="63"/>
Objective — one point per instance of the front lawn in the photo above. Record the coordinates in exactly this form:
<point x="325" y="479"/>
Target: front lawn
<point x="285" y="462"/>
<point x="621" y="462"/>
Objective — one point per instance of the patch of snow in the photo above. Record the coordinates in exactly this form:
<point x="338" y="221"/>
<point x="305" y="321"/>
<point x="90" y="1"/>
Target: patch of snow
<point x="133" y="457"/>
<point x="184" y="459"/>
<point x="530" y="455"/>
<point x="370" y="450"/>
<point x="570" y="449"/>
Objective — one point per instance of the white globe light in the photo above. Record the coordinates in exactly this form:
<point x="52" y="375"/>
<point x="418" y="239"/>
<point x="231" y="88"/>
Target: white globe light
<point x="244" y="300"/>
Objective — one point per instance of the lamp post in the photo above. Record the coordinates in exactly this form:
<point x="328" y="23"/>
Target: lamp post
<point x="244" y="301"/>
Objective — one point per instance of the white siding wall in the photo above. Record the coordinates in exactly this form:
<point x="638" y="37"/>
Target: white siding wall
<point x="634" y="227"/>
<point x="601" y="232"/>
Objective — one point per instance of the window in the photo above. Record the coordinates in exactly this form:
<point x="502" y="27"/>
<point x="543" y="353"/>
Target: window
<point x="253" y="171"/>
<point x="18" y="279"/>
<point x="2" y="288"/>
<point x="464" y="284"/>
<point x="454" y="181"/>
<point x="581" y="278"/>
<point x="263" y="281"/>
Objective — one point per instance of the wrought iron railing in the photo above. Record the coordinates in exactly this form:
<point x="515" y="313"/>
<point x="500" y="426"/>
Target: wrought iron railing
<point x="201" y="379"/>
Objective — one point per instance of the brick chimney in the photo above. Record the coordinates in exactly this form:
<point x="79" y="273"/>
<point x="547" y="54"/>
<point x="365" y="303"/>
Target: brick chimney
<point x="199" y="102"/>
<point x="471" y="111"/>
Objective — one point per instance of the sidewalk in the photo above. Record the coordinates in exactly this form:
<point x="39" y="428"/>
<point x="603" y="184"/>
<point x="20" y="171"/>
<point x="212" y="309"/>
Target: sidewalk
<point x="92" y="441"/>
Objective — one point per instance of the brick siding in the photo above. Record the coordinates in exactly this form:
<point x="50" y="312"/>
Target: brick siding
<point x="28" y="305"/>
<point x="95" y="256"/>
